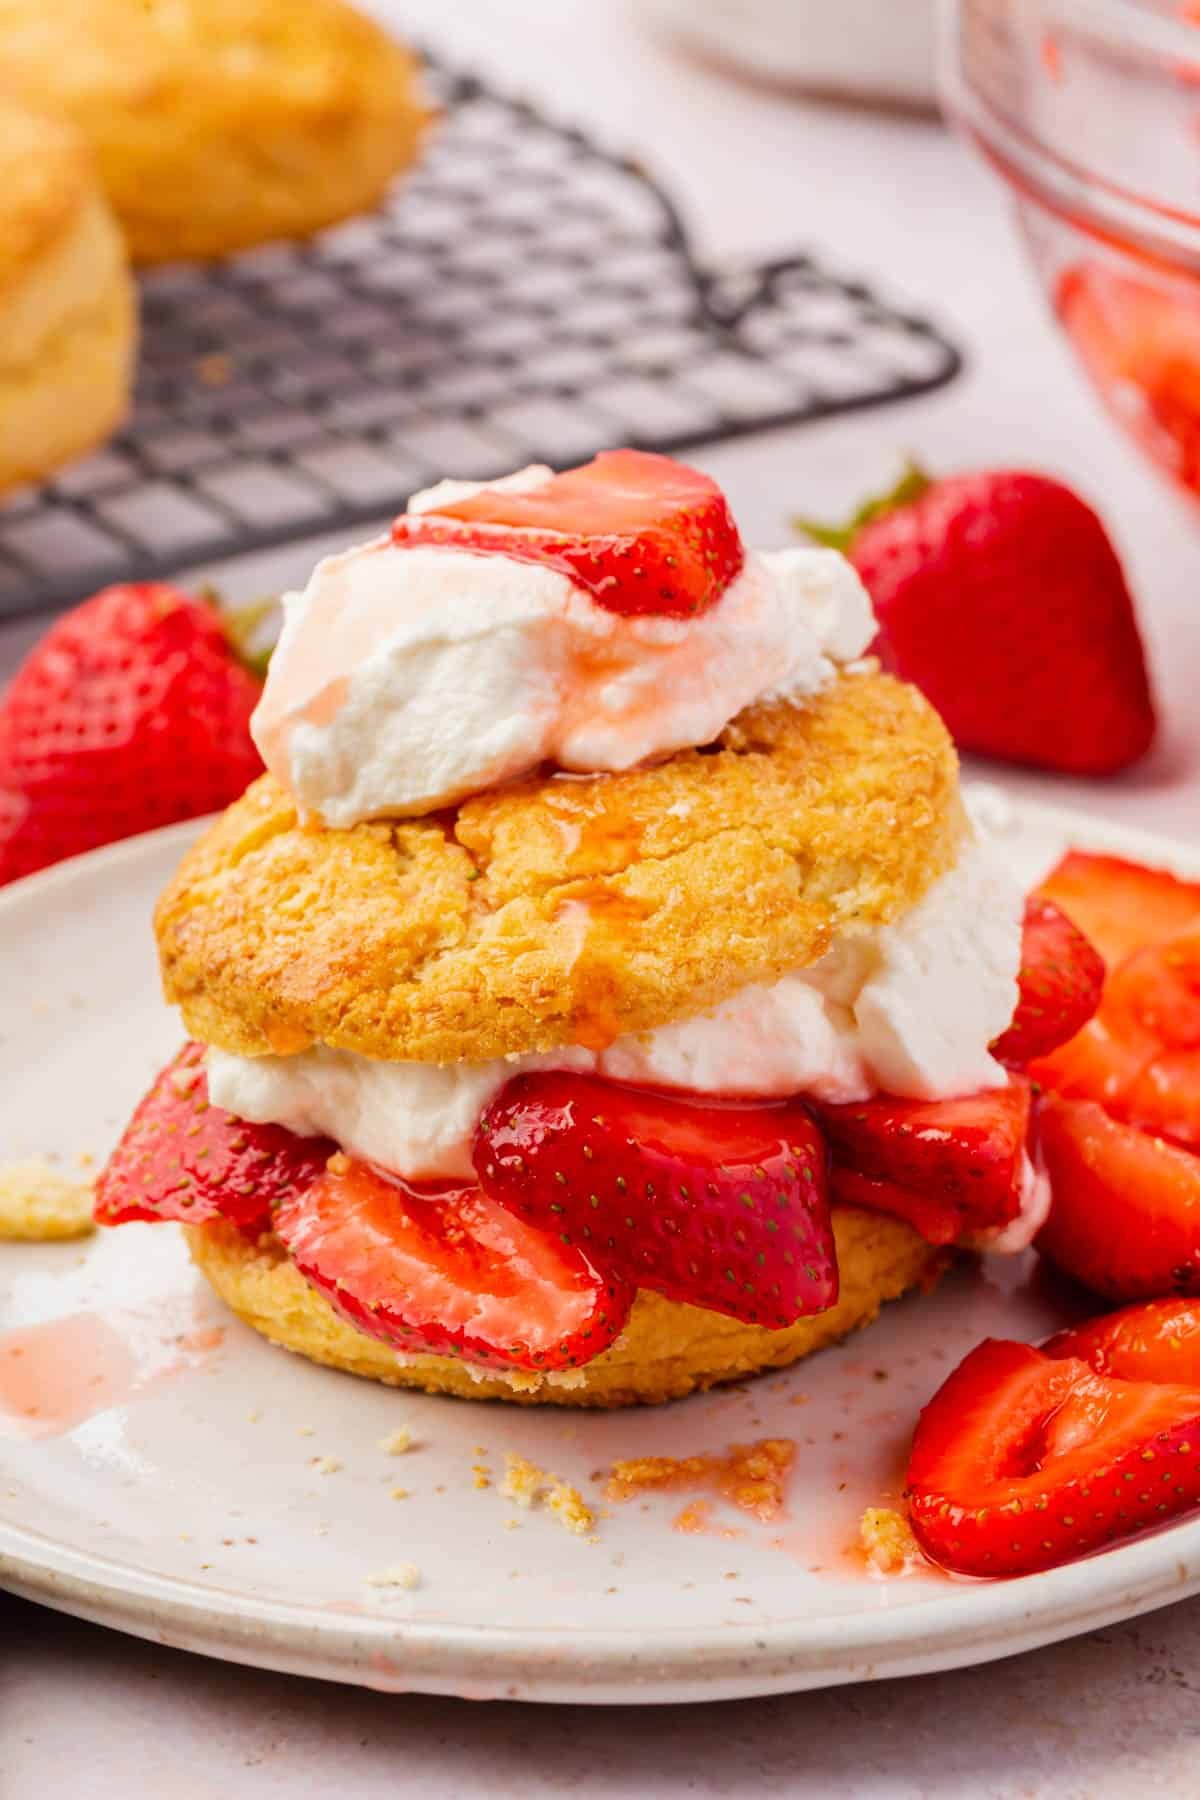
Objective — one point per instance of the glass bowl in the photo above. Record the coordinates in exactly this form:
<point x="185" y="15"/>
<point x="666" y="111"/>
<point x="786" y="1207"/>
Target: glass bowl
<point x="1090" y="110"/>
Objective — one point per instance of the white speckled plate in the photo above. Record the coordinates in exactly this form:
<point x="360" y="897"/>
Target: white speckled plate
<point x="170" y="1483"/>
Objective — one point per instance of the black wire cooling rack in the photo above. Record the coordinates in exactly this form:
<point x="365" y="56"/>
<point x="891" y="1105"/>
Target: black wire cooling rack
<point x="526" y="297"/>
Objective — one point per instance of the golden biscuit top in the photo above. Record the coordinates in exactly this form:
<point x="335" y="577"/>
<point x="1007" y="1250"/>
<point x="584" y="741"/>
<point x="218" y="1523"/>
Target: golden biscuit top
<point x="217" y="123"/>
<point x="565" y="909"/>
<point x="46" y="177"/>
<point x="151" y="54"/>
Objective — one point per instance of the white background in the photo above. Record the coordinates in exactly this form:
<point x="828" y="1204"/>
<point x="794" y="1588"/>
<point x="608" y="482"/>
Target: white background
<point x="83" y="1711"/>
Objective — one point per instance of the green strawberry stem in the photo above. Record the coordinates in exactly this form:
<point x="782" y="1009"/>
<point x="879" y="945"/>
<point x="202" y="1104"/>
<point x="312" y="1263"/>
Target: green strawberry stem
<point x="912" y="484"/>
<point x="243" y="628"/>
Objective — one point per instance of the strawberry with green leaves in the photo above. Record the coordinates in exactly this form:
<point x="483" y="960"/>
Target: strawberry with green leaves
<point x="1000" y="595"/>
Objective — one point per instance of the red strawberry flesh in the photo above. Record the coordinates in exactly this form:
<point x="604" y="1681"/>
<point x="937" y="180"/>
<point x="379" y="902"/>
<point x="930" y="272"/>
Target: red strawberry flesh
<point x="641" y="533"/>
<point x="961" y="1163"/>
<point x="449" y="1270"/>
<point x="1000" y="595"/>
<point x="1125" y="1219"/>
<point x="722" y="1206"/>
<point x="1060" y="981"/>
<point x="1158" y="1341"/>
<point x="1120" y="905"/>
<point x="183" y="1158"/>
<point x="132" y="712"/>
<point x="1021" y="1462"/>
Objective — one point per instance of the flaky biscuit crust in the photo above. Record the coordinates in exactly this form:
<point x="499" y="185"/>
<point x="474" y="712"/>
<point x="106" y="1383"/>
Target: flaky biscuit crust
<point x="219" y="124"/>
<point x="561" y="911"/>
<point x="67" y="305"/>
<point x="666" y="1351"/>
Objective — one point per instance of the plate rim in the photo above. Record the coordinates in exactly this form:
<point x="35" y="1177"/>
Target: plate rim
<point x="608" y="1663"/>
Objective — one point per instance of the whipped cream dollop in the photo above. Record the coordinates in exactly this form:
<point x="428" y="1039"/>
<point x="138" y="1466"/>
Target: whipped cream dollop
<point x="408" y="678"/>
<point x="909" y="1009"/>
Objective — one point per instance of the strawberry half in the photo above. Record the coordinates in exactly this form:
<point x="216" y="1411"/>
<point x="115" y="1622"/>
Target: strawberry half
<point x="1021" y="1462"/>
<point x="131" y="712"/>
<point x="642" y="533"/>
<point x="1159" y="1341"/>
<point x="1060" y="981"/>
<point x="1000" y="595"/>
<point x="721" y="1206"/>
<point x="1126" y="1214"/>
<point x="183" y="1158"/>
<point x="1121" y="905"/>
<point x="950" y="1167"/>
<point x="447" y="1269"/>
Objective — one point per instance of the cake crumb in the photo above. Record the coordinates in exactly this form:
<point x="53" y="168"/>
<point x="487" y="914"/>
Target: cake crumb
<point x="399" y="1493"/>
<point x="482" y="1475"/>
<point x="887" y="1541"/>
<point x="396" y="1442"/>
<point x="512" y="1524"/>
<point x="38" y="1205"/>
<point x="305" y="1430"/>
<point x="526" y="1483"/>
<point x="398" y="1575"/>
<point x="752" y="1477"/>
<point x="324" y="1465"/>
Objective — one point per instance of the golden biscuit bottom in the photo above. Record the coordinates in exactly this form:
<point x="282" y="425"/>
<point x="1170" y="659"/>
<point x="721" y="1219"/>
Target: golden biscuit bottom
<point x="666" y="1351"/>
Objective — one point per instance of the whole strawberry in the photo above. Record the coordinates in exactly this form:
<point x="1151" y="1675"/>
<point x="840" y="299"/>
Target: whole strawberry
<point x="131" y="712"/>
<point x="1000" y="596"/>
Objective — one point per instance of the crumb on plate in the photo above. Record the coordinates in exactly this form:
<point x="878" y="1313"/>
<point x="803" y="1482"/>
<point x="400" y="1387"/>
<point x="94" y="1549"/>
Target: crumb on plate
<point x="526" y="1483"/>
<point x="397" y="1575"/>
<point x="887" y="1541"/>
<point x="38" y="1205"/>
<point x="396" y="1442"/>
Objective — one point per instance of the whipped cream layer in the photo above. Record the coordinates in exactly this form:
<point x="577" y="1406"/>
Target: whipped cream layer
<point x="909" y="1009"/>
<point x="407" y="678"/>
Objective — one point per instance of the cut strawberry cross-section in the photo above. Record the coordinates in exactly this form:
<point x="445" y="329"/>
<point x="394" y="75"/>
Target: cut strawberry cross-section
<point x="1021" y="1462"/>
<point x="447" y="1269"/>
<point x="1060" y="980"/>
<point x="1122" y="905"/>
<point x="641" y="533"/>
<point x="1140" y="1055"/>
<point x="1126" y="1214"/>
<point x="1159" y="1341"/>
<point x="950" y="1167"/>
<point x="723" y="1206"/>
<point x="183" y="1158"/>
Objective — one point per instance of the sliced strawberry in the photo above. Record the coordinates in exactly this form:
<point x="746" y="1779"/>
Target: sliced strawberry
<point x="935" y="1222"/>
<point x="1139" y="338"/>
<point x="961" y="1162"/>
<point x="1021" y="1462"/>
<point x="642" y="533"/>
<point x="183" y="1158"/>
<point x="447" y="1269"/>
<point x="1126" y="1213"/>
<point x="1060" y="980"/>
<point x="1140" y="1055"/>
<point x="723" y="1206"/>
<point x="1119" y="905"/>
<point x="1159" y="1341"/>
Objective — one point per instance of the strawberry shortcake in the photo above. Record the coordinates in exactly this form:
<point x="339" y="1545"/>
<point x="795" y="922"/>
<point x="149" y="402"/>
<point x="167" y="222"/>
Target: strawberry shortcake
<point x="603" y="994"/>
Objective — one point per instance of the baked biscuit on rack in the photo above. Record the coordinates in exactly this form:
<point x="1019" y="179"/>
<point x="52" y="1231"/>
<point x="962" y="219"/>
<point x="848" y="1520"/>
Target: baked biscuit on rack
<point x="219" y="124"/>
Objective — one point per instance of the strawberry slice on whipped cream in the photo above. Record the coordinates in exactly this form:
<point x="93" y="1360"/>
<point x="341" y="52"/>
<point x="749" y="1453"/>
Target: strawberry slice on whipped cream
<point x="591" y="621"/>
